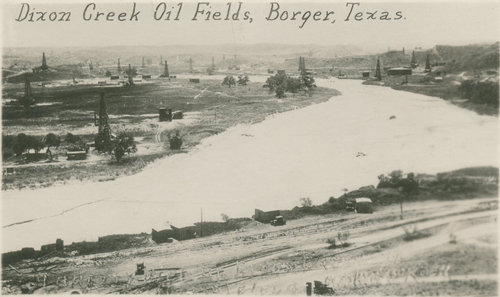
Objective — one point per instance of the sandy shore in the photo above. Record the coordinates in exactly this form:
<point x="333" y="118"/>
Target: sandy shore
<point x="311" y="152"/>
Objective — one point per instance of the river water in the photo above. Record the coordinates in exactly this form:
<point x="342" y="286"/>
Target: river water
<point x="312" y="152"/>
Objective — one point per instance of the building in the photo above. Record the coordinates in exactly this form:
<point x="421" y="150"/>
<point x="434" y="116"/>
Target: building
<point x="265" y="216"/>
<point x="165" y="114"/>
<point x="76" y="155"/>
<point x="365" y="74"/>
<point x="399" y="71"/>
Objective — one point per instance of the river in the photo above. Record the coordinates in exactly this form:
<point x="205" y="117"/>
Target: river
<point x="312" y="152"/>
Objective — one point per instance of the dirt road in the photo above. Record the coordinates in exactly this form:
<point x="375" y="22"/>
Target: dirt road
<point x="263" y="259"/>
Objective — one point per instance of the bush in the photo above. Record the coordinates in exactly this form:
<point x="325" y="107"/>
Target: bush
<point x="305" y="202"/>
<point x="229" y="81"/>
<point x="339" y="241"/>
<point x="480" y="92"/>
<point x="124" y="143"/>
<point x="412" y="233"/>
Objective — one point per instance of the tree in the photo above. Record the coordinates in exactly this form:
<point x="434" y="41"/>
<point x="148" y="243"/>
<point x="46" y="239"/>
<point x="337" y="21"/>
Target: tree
<point x="51" y="140"/>
<point x="27" y="142"/>
<point x="305" y="202"/>
<point x="307" y="81"/>
<point x="229" y="81"/>
<point x="224" y="217"/>
<point x="108" y="73"/>
<point x="123" y="143"/>
<point x="20" y="144"/>
<point x="281" y="83"/>
<point x="70" y="138"/>
<point x="243" y="80"/>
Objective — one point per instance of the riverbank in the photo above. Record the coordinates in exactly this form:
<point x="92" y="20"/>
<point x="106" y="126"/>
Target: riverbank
<point x="311" y="152"/>
<point x="209" y="109"/>
<point x="447" y="88"/>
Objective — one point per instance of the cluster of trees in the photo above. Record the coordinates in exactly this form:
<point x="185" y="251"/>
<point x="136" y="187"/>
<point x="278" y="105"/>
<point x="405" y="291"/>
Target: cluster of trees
<point x="480" y="92"/>
<point x="118" y="146"/>
<point x="281" y="83"/>
<point x="231" y="81"/>
<point x="17" y="145"/>
<point x="407" y="185"/>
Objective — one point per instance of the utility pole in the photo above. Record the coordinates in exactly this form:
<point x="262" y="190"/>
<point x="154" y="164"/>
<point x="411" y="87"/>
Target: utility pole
<point x="401" y="205"/>
<point x="130" y="78"/>
<point x="378" y="73"/>
<point x="201" y="224"/>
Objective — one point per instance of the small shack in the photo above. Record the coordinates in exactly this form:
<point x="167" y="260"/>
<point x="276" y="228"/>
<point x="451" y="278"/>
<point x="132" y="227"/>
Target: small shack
<point x="76" y="155"/>
<point x="399" y="71"/>
<point x="265" y="216"/>
<point x="53" y="247"/>
<point x="114" y="77"/>
<point x="146" y="76"/>
<point x="165" y="114"/>
<point x="365" y="74"/>
<point x="162" y="236"/>
<point x="194" y="80"/>
<point x="364" y="205"/>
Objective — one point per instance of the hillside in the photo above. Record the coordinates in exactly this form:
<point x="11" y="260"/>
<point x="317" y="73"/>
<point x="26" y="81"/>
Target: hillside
<point x="474" y="57"/>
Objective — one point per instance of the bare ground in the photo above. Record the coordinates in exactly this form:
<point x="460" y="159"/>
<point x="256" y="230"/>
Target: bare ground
<point x="262" y="259"/>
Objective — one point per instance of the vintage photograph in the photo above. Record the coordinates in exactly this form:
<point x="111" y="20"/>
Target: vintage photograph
<point x="250" y="148"/>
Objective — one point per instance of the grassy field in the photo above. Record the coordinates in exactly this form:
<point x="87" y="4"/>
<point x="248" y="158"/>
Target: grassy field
<point x="209" y="109"/>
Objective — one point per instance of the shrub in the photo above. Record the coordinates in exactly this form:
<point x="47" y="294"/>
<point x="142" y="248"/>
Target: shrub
<point x="412" y="233"/>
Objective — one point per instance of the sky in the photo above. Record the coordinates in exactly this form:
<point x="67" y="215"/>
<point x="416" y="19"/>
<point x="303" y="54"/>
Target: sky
<point x="422" y="23"/>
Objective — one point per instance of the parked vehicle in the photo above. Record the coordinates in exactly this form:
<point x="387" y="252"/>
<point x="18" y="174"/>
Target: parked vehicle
<point x="278" y="221"/>
<point x="359" y="205"/>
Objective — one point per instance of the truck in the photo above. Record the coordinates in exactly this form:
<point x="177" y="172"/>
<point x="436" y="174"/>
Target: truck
<point x="278" y="221"/>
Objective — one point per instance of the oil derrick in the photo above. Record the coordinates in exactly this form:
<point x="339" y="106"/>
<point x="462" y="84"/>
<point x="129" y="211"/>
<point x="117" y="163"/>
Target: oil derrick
<point x="103" y="138"/>
<point x="213" y="62"/>
<point x="119" y="67"/>
<point x="378" y="73"/>
<point x="165" y="70"/>
<point x="27" y="87"/>
<point x="28" y="99"/>
<point x="143" y="65"/>
<point x="302" y="65"/>
<point x="427" y="64"/>
<point x="44" y="62"/>
<point x="91" y="67"/>
<point x="161" y="60"/>
<point x="130" y="77"/>
<point x="413" y="62"/>
<point x="190" y="64"/>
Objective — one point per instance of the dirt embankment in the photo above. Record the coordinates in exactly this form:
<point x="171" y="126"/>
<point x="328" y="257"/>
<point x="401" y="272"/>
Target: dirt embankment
<point x="383" y="257"/>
